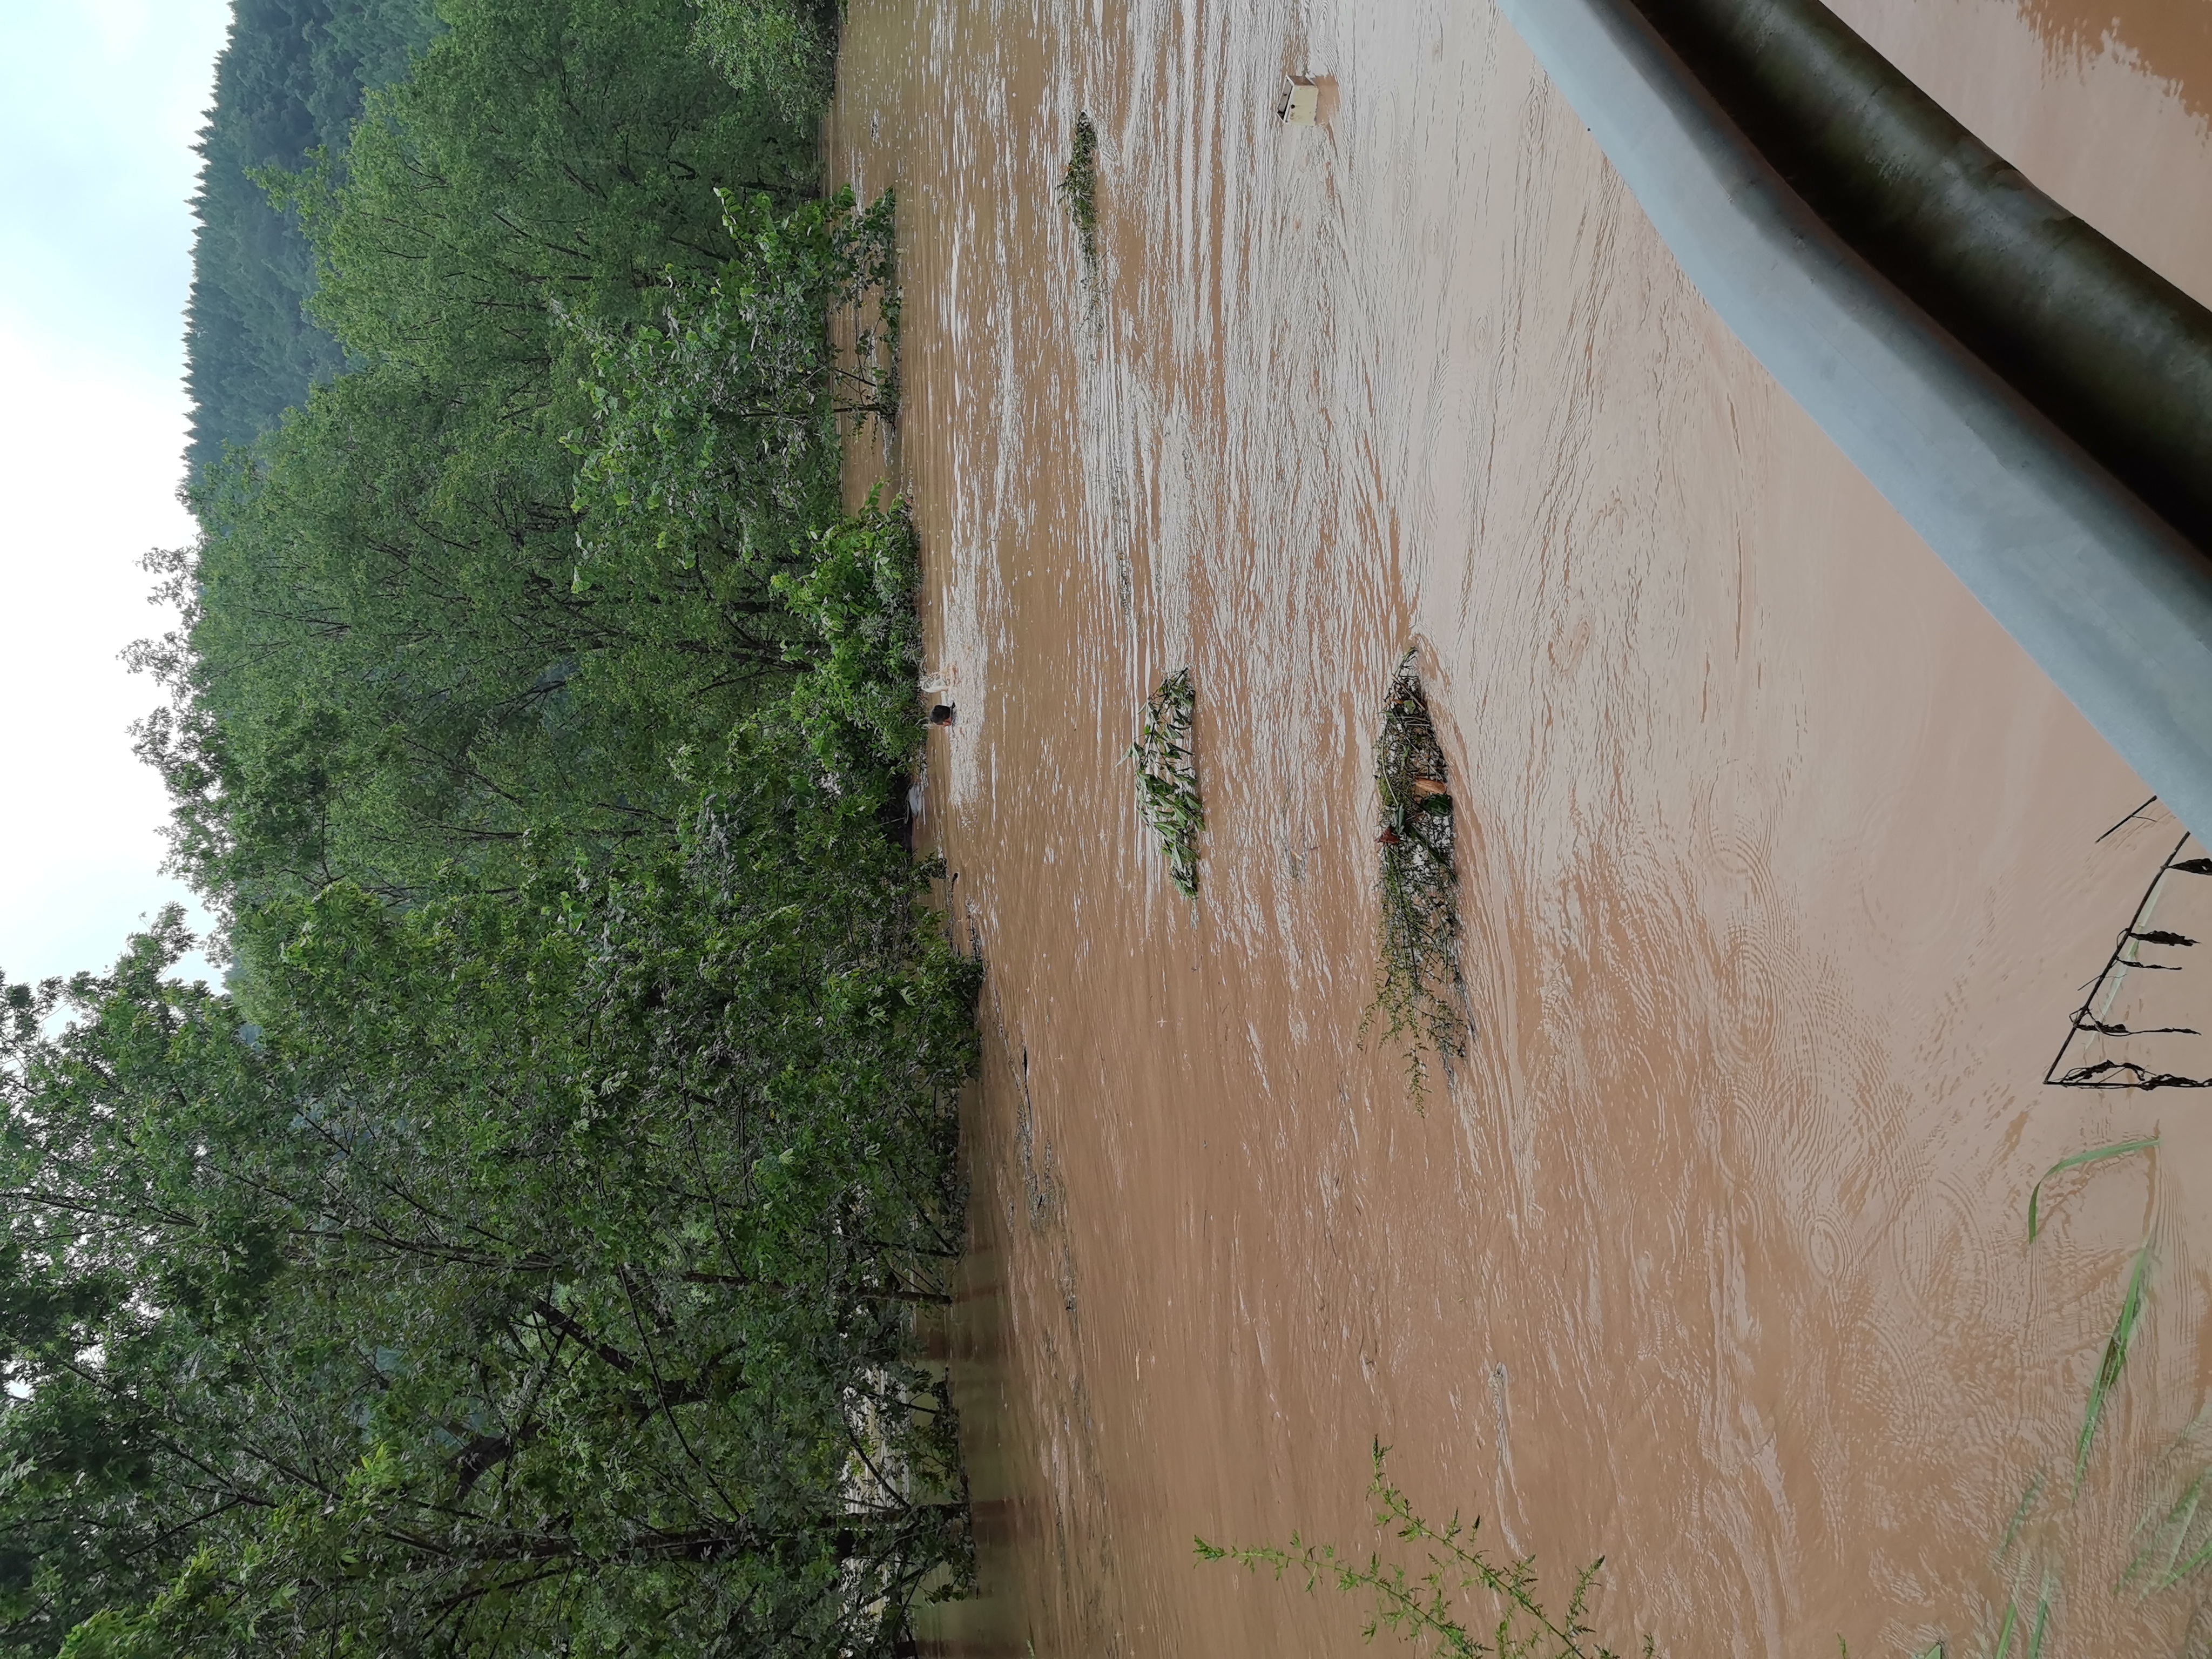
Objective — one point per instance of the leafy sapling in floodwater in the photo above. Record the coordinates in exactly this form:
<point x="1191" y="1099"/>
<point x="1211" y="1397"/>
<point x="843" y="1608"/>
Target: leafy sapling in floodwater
<point x="1167" y="777"/>
<point x="1423" y="993"/>
<point x="1422" y="1604"/>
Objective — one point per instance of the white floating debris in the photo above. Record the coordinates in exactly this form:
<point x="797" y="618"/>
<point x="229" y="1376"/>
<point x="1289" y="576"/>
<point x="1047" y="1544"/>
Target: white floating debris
<point x="1301" y="103"/>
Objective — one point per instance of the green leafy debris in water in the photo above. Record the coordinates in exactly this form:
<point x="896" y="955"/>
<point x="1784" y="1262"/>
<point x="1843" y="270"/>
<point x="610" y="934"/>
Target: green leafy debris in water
<point x="1423" y="993"/>
<point x="1078" y="187"/>
<point x="1167" y="777"/>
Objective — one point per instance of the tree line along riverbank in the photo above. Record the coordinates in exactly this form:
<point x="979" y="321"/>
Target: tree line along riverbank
<point x="520" y="1253"/>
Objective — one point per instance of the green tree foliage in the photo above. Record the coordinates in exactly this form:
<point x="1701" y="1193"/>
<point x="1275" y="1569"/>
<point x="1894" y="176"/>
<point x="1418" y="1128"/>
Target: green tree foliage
<point x="783" y="48"/>
<point x="856" y="702"/>
<point x="521" y="1254"/>
<point x="413" y="633"/>
<point x="532" y="1272"/>
<point x="288" y="83"/>
<point x="546" y="157"/>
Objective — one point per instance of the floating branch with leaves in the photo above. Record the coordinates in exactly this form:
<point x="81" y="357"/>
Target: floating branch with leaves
<point x="1078" y="187"/>
<point x="1422" y="1604"/>
<point x="1167" y="777"/>
<point x="1423" y="994"/>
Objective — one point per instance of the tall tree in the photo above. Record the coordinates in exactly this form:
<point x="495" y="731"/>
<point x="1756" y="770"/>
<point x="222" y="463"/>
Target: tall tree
<point x="288" y="83"/>
<point x="527" y="1278"/>
<point x="401" y="650"/>
<point x="520" y="1255"/>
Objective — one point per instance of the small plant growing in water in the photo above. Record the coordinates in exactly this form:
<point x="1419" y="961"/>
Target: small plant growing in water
<point x="1423" y="1604"/>
<point x="1167" y="777"/>
<point x="1422" y="994"/>
<point x="1079" y="186"/>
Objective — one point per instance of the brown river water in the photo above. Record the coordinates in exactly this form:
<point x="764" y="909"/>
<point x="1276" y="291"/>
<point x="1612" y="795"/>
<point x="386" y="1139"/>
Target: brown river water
<point x="1784" y="870"/>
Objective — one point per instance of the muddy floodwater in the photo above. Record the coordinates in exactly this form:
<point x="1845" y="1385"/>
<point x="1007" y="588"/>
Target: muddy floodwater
<point x="1784" y="872"/>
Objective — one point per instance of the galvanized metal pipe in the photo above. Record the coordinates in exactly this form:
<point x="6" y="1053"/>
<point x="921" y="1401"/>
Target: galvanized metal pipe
<point x="2104" y="593"/>
<point x="2119" y="358"/>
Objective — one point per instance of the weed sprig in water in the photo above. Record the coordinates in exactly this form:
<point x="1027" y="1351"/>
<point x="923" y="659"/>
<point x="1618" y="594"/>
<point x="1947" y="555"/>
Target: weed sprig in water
<point x="1167" y="777"/>
<point x="1422" y="993"/>
<point x="1078" y="187"/>
<point x="1423" y="1605"/>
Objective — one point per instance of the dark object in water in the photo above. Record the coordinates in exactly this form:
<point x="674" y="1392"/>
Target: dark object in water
<point x="2161" y="936"/>
<point x="1436" y="804"/>
<point x="941" y="716"/>
<point x="894" y="817"/>
<point x="1168" y="797"/>
<point x="2126" y="1074"/>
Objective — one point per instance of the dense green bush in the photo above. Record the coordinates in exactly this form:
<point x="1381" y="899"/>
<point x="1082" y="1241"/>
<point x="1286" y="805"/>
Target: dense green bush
<point x="856" y="702"/>
<point x="533" y="1264"/>
<point x="782" y="48"/>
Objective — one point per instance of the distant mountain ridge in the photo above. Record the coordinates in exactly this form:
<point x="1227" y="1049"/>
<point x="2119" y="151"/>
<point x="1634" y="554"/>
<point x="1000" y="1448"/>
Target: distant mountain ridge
<point x="290" y="81"/>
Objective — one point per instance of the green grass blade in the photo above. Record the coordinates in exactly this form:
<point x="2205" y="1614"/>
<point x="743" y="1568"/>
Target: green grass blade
<point x="2175" y="1567"/>
<point x="2169" y="1535"/>
<point x="2176" y="1573"/>
<point x="2116" y="1358"/>
<point x="2021" y="1510"/>
<point x="2004" y="1636"/>
<point x="2041" y="1620"/>
<point x="2078" y="1160"/>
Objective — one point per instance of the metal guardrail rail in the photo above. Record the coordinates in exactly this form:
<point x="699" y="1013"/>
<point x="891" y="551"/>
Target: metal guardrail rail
<point x="2118" y="357"/>
<point x="1835" y="219"/>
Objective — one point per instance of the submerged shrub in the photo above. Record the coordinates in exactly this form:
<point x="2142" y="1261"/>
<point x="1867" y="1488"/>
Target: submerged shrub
<point x="1167" y="777"/>
<point x="1422" y="994"/>
<point x="1079" y="186"/>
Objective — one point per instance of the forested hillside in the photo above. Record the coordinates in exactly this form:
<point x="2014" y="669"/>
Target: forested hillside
<point x="289" y="82"/>
<point x="521" y="1255"/>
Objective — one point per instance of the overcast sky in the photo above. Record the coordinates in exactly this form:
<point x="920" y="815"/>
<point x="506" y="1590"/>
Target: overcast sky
<point x="100" y="103"/>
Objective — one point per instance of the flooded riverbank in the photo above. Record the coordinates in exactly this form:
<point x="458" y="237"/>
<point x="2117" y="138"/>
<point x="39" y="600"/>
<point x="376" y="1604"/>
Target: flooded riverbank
<point x="1783" y="874"/>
